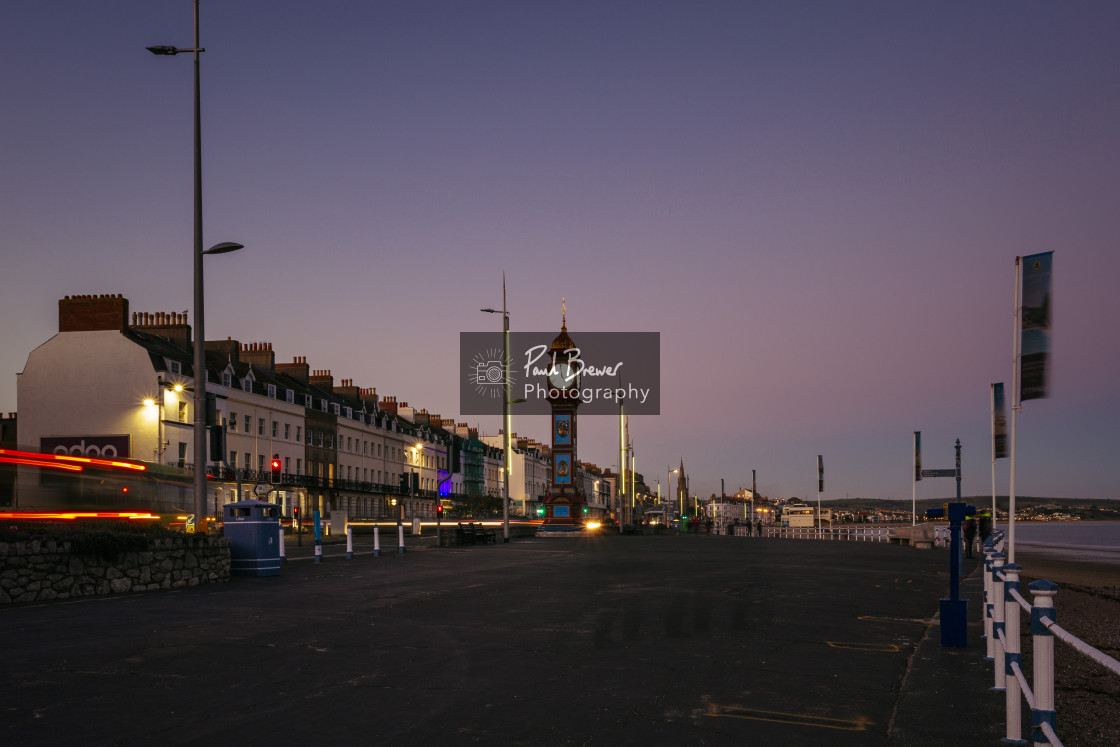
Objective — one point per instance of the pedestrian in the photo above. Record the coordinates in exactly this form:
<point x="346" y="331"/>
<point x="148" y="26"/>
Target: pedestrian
<point x="758" y="526"/>
<point x="969" y="535"/>
<point x="985" y="527"/>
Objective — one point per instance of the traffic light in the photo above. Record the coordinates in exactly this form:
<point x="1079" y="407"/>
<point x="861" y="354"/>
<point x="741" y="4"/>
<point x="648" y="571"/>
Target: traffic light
<point x="439" y="511"/>
<point x="585" y="510"/>
<point x="540" y="510"/>
<point x="275" y="469"/>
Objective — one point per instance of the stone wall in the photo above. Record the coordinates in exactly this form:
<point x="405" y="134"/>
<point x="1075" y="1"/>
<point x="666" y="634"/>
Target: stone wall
<point x="40" y="571"/>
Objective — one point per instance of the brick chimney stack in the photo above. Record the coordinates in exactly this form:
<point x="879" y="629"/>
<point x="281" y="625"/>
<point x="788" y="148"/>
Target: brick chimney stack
<point x="259" y="354"/>
<point x="90" y="313"/>
<point x="297" y="369"/>
<point x="323" y="379"/>
<point x="168" y="325"/>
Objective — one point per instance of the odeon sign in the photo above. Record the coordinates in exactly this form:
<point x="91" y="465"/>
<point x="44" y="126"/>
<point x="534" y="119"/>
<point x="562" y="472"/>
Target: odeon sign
<point x="88" y="446"/>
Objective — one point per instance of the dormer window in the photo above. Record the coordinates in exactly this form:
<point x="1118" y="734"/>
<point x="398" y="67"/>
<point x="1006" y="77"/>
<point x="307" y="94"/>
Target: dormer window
<point x="272" y="391"/>
<point x="323" y="405"/>
<point x="335" y="408"/>
<point x="291" y="398"/>
<point x="176" y="367"/>
<point x="246" y="385"/>
<point x="227" y="379"/>
<point x="307" y="401"/>
<point x="350" y="412"/>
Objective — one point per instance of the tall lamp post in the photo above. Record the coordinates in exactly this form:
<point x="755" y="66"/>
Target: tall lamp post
<point x="506" y="402"/>
<point x="669" y="485"/>
<point x="200" y="451"/>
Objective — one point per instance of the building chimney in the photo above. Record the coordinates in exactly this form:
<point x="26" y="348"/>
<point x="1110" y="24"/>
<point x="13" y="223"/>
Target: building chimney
<point x="322" y="379"/>
<point x="260" y="355"/>
<point x="91" y="313"/>
<point x="297" y="369"/>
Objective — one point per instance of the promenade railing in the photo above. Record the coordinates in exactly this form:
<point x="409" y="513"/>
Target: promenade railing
<point x="845" y="533"/>
<point x="1003" y="606"/>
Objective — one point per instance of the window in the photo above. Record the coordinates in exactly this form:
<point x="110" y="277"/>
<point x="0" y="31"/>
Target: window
<point x="288" y="465"/>
<point x="307" y="400"/>
<point x="275" y="427"/>
<point x="233" y="459"/>
<point x="287" y="431"/>
<point x="182" y="412"/>
<point x="176" y="367"/>
<point x="246" y="385"/>
<point x="379" y="450"/>
<point x="335" y="408"/>
<point x="233" y="421"/>
<point x="227" y="380"/>
<point x="247" y="425"/>
<point x="272" y="391"/>
<point x="291" y="397"/>
<point x="248" y="460"/>
<point x="260" y="426"/>
<point x="350" y="412"/>
<point x="260" y="462"/>
<point x="323" y="405"/>
<point x="298" y="429"/>
<point x="349" y="444"/>
<point x="348" y="475"/>
<point x="330" y="439"/>
<point x="299" y="466"/>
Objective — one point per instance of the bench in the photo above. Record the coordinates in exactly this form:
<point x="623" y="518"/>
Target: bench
<point x="471" y="534"/>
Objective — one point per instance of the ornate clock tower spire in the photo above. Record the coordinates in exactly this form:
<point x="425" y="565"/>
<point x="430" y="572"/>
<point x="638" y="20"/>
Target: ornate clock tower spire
<point x="565" y="502"/>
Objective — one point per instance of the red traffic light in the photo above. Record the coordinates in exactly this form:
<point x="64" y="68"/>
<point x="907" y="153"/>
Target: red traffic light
<point x="275" y="469"/>
<point x="439" y="510"/>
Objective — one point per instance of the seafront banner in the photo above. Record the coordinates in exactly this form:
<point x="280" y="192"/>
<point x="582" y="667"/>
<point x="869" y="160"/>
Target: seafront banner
<point x="1034" y="351"/>
<point x="999" y="423"/>
<point x="917" y="456"/>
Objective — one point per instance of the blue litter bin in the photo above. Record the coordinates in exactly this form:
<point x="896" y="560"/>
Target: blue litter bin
<point x="253" y="529"/>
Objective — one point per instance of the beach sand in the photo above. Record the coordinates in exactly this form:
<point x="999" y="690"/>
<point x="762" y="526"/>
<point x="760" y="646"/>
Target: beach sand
<point x="1088" y="606"/>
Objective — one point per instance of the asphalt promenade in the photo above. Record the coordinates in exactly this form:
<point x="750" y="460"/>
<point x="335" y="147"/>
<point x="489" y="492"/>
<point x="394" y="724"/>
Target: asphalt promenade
<point x="603" y="640"/>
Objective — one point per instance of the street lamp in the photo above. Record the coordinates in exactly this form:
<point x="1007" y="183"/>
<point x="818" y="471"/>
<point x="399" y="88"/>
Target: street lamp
<point x="200" y="451"/>
<point x="669" y="486"/>
<point x="505" y="408"/>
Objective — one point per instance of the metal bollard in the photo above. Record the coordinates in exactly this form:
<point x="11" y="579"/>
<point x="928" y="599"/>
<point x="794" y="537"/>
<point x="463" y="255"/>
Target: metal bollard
<point x="1042" y="605"/>
<point x="400" y="539"/>
<point x="998" y="608"/>
<point x="376" y="541"/>
<point x="283" y="555"/>
<point x="349" y="542"/>
<point x="1013" y="655"/>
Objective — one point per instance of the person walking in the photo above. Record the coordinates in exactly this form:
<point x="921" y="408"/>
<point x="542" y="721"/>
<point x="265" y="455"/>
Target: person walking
<point x="969" y="535"/>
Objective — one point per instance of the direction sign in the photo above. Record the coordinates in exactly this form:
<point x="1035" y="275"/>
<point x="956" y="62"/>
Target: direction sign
<point x="939" y="473"/>
<point x="262" y="489"/>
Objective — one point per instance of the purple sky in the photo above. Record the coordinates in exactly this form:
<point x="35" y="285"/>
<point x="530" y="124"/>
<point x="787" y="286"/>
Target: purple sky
<point x="817" y="205"/>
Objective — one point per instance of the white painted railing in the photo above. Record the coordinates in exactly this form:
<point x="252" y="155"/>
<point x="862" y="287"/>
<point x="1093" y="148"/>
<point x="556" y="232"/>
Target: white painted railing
<point x="852" y="534"/>
<point x="1003" y="604"/>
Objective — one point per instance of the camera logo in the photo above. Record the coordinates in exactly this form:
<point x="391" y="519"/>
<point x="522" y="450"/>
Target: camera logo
<point x="486" y="374"/>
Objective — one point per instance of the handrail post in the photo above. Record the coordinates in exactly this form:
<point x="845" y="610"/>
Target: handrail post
<point x="986" y="610"/>
<point x="1042" y="605"/>
<point x="1013" y="692"/>
<point x="998" y="608"/>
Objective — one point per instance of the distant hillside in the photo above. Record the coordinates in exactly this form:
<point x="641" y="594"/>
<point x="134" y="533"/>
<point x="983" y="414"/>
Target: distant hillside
<point x="980" y="501"/>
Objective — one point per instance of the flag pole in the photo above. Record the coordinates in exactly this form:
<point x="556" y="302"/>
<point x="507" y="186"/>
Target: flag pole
<point x="1015" y="405"/>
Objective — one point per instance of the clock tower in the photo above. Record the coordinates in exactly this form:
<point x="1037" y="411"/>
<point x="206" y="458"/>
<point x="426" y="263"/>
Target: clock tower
<point x="565" y="502"/>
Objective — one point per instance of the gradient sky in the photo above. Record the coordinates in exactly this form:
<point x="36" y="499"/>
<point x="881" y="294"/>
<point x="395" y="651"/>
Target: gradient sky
<point x="817" y="205"/>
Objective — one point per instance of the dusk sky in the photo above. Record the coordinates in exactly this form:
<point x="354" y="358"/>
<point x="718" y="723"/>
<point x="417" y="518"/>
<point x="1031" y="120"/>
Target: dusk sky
<point x="816" y="205"/>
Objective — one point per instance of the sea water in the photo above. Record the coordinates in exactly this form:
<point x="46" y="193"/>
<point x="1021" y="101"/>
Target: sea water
<point x="1075" y="540"/>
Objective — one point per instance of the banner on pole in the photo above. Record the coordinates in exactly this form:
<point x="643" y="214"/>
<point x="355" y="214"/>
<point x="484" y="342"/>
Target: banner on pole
<point x="917" y="456"/>
<point x="1034" y="352"/>
<point x="820" y="473"/>
<point x="999" y="423"/>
